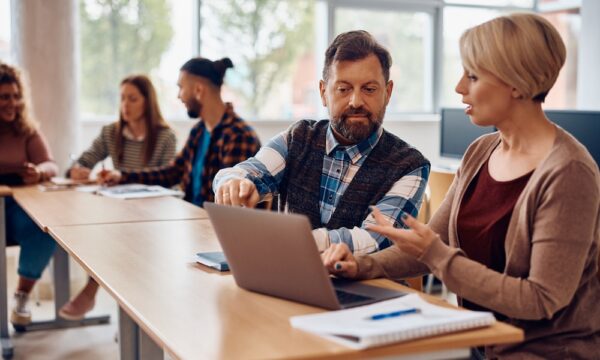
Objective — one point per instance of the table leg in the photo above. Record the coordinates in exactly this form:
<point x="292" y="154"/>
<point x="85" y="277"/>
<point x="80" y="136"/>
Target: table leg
<point x="128" y="337"/>
<point x="61" y="296"/>
<point x="7" y="347"/>
<point x="148" y="348"/>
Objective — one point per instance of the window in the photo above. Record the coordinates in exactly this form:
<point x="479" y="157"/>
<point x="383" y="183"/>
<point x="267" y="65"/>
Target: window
<point x="277" y="47"/>
<point x="456" y="21"/>
<point x="408" y="37"/>
<point x="132" y="37"/>
<point x="564" y="93"/>
<point x="271" y="44"/>
<point x="5" y="51"/>
<point x="488" y="3"/>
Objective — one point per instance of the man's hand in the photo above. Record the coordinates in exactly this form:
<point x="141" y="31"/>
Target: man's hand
<point x="31" y="174"/>
<point x="109" y="177"/>
<point x="238" y="192"/>
<point x="339" y="261"/>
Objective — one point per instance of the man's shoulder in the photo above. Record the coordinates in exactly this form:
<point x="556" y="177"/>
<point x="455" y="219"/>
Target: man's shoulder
<point x="308" y="125"/>
<point x="394" y="145"/>
<point x="239" y="127"/>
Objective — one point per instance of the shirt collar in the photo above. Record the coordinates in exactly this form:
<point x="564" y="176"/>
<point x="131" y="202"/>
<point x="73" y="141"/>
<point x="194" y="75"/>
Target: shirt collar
<point x="354" y="152"/>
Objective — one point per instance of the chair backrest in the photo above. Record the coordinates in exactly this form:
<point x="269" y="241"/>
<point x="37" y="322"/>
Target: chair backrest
<point x="439" y="183"/>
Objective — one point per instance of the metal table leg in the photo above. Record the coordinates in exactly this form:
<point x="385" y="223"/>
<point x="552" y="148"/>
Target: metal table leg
<point x="7" y="347"/>
<point x="61" y="296"/>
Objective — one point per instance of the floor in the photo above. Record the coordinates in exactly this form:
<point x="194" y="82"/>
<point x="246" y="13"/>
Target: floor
<point x="89" y="343"/>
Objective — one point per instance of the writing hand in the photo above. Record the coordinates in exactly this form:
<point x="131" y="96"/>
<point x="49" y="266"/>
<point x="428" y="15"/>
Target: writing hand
<point x="109" y="177"/>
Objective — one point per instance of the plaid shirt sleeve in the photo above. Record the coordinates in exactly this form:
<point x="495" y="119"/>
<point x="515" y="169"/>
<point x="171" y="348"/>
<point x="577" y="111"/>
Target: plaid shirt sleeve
<point x="265" y="169"/>
<point x="405" y="195"/>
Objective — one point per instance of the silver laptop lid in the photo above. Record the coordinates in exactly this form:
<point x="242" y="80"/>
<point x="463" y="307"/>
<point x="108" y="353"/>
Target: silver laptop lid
<point x="273" y="254"/>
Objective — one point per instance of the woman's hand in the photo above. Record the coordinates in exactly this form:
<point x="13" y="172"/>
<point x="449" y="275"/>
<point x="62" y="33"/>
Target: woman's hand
<point x="413" y="241"/>
<point x="339" y="261"/>
<point x="109" y="177"/>
<point x="31" y="174"/>
<point x="79" y="173"/>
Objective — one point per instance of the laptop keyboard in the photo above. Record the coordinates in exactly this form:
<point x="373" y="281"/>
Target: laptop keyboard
<point x="348" y="298"/>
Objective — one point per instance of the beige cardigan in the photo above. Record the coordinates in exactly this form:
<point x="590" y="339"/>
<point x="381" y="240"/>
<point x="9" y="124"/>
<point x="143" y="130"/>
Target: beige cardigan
<point x="550" y="286"/>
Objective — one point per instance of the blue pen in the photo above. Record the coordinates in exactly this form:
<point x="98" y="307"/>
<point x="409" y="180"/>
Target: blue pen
<point x="394" y="314"/>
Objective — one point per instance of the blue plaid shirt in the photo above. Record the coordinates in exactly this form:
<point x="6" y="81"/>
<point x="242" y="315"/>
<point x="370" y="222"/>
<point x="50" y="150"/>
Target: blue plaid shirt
<point x="340" y="165"/>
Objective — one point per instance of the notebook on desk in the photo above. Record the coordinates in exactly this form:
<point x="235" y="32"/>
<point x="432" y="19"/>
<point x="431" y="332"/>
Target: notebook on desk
<point x="391" y="321"/>
<point x="275" y="254"/>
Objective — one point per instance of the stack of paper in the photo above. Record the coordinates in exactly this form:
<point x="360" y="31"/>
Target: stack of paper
<point x="390" y="321"/>
<point x="137" y="191"/>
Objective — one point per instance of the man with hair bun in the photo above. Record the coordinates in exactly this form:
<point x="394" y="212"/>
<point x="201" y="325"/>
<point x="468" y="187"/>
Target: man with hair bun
<point x="219" y="140"/>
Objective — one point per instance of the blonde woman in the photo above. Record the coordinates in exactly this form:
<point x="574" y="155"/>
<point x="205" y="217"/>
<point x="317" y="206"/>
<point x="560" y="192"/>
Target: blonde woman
<point x="140" y="139"/>
<point x="518" y="232"/>
<point x="23" y="147"/>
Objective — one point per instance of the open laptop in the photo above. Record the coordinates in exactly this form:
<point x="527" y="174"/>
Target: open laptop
<point x="275" y="254"/>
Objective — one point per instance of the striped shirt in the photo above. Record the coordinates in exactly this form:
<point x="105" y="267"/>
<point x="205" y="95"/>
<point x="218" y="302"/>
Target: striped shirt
<point x="105" y="145"/>
<point x="340" y="165"/>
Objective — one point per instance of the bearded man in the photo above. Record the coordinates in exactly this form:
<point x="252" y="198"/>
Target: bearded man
<point x="332" y="171"/>
<point x="220" y="138"/>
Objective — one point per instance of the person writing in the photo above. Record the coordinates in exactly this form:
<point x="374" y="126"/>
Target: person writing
<point x="23" y="146"/>
<point x="140" y="139"/>
<point x="333" y="170"/>
<point x="220" y="139"/>
<point x="518" y="232"/>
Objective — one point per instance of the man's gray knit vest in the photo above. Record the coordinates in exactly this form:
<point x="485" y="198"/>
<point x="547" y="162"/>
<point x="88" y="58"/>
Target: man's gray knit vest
<point x="391" y="159"/>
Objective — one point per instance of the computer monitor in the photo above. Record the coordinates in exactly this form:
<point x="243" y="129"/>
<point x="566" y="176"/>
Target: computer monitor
<point x="457" y="132"/>
<point x="583" y="125"/>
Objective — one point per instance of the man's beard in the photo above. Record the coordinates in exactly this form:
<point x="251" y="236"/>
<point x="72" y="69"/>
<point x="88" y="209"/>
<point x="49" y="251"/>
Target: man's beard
<point x="193" y="108"/>
<point x="356" y="133"/>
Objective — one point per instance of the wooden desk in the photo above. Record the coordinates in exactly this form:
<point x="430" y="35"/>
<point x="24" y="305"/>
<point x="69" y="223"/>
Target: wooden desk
<point x="7" y="347"/>
<point x="194" y="312"/>
<point x="67" y="208"/>
<point x="55" y="208"/>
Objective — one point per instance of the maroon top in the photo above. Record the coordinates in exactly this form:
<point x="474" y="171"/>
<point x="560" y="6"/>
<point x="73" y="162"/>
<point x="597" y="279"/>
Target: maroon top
<point x="483" y="219"/>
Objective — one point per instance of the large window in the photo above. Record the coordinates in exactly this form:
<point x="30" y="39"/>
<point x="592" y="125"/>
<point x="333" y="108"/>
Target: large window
<point x="5" y="51"/>
<point x="408" y="35"/>
<point x="277" y="48"/>
<point x="271" y="43"/>
<point x="120" y="38"/>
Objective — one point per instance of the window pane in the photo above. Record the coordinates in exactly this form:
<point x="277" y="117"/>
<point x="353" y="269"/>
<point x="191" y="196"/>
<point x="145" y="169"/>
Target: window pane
<point x="5" y="30"/>
<point x="272" y="46"/>
<point x="407" y="35"/>
<point x="564" y="92"/>
<point x="456" y="21"/>
<point x="120" y="38"/>
<point x="515" y="3"/>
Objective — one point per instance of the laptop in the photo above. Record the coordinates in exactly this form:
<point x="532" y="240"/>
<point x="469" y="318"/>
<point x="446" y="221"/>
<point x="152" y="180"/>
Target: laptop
<point x="275" y="254"/>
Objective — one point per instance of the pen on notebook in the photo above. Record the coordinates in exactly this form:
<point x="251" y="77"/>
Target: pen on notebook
<point x="394" y="314"/>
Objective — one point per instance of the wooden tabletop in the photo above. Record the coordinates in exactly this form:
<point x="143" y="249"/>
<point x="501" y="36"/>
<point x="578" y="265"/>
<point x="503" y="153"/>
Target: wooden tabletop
<point x="194" y="312"/>
<point x="69" y="207"/>
<point x="5" y="191"/>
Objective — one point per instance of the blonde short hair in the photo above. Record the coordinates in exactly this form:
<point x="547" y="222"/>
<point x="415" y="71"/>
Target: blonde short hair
<point x="523" y="50"/>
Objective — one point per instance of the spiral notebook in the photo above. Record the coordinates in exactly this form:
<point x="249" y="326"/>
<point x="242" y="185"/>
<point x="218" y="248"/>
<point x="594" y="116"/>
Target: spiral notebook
<point x="391" y="321"/>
